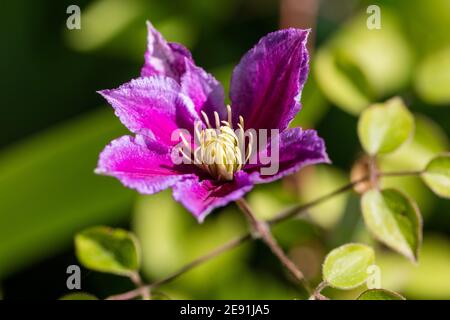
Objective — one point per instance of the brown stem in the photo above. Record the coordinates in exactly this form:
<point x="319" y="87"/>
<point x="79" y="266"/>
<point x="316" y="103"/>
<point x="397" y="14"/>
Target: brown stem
<point x="263" y="231"/>
<point x="191" y="265"/>
<point x="129" y="294"/>
<point x="290" y="213"/>
<point x="227" y="246"/>
<point x="317" y="292"/>
<point x="296" y="210"/>
<point x="373" y="172"/>
<point x="141" y="288"/>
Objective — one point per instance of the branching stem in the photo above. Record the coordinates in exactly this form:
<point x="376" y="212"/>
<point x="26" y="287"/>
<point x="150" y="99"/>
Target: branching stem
<point x="267" y="238"/>
<point x="262" y="230"/>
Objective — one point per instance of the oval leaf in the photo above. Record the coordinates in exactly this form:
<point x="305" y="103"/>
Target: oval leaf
<point x="108" y="250"/>
<point x="346" y="267"/>
<point x="437" y="175"/>
<point x="78" y="296"/>
<point x="380" y="294"/>
<point x="394" y="220"/>
<point x="384" y="127"/>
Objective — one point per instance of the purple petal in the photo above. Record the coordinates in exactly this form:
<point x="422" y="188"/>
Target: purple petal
<point x="140" y="164"/>
<point x="152" y="107"/>
<point x="201" y="197"/>
<point x="204" y="90"/>
<point x="266" y="85"/>
<point x="162" y="57"/>
<point x="297" y="148"/>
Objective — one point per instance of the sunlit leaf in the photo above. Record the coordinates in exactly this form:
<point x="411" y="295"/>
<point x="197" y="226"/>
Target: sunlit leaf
<point x="415" y="14"/>
<point x="108" y="250"/>
<point x="384" y="127"/>
<point x="78" y="296"/>
<point x="380" y="294"/>
<point x="429" y="140"/>
<point x="101" y="21"/>
<point x="394" y="220"/>
<point x="336" y="85"/>
<point x="358" y="66"/>
<point x="432" y="80"/>
<point x="437" y="175"/>
<point x="346" y="267"/>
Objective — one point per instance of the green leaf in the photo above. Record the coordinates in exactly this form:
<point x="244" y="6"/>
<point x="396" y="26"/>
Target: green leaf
<point x="432" y="78"/>
<point x="346" y="267"/>
<point x="384" y="127"/>
<point x="437" y="175"/>
<point x="380" y="294"/>
<point x="49" y="190"/>
<point x="358" y="66"/>
<point x="429" y="140"/>
<point x="98" y="26"/>
<point x="336" y="84"/>
<point x="393" y="219"/>
<point x="78" y="296"/>
<point x="108" y="250"/>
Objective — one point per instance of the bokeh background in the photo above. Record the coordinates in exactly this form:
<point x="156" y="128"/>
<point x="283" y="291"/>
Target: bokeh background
<point x="53" y="125"/>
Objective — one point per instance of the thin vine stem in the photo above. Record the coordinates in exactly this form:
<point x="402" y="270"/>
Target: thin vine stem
<point x="262" y="230"/>
<point x="400" y="173"/>
<point x="283" y="216"/>
<point x="317" y="295"/>
<point x="296" y="210"/>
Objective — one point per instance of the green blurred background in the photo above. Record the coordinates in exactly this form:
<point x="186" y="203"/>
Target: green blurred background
<point x="53" y="125"/>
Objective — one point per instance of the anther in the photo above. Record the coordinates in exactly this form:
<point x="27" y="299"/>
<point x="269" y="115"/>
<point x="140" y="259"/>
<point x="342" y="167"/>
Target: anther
<point x="216" y="117"/>
<point x="206" y="119"/>
<point x="229" y="116"/>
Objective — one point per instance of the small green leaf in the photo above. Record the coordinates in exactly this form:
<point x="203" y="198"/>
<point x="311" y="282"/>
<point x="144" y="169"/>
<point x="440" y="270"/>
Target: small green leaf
<point x="437" y="175"/>
<point x="346" y="267"/>
<point x="384" y="127"/>
<point x="108" y="250"/>
<point x="380" y="294"/>
<point x="393" y="219"/>
<point x="78" y="296"/>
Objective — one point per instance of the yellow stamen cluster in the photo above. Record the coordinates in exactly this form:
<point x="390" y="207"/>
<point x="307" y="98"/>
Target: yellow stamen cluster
<point x="221" y="151"/>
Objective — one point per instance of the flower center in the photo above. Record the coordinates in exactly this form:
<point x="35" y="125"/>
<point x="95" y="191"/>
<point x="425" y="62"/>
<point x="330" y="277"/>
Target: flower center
<point x="221" y="151"/>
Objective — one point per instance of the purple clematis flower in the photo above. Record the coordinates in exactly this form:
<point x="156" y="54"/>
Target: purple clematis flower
<point x="174" y="93"/>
